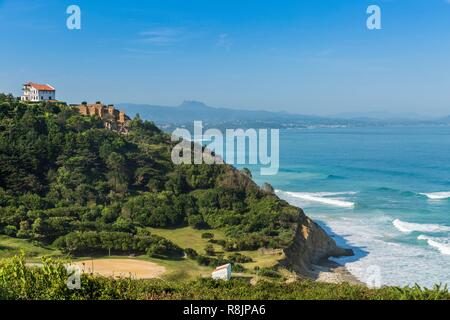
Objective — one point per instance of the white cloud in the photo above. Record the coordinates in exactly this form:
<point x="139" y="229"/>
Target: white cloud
<point x="162" y="36"/>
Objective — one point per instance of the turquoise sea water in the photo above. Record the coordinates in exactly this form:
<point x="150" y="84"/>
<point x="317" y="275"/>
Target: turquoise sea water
<point x="385" y="192"/>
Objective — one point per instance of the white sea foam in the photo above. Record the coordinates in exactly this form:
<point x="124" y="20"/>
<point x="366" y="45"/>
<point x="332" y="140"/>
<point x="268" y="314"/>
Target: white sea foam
<point x="334" y="194"/>
<point x="321" y="197"/>
<point x="400" y="263"/>
<point x="444" y="248"/>
<point x="407" y="227"/>
<point x="437" y="195"/>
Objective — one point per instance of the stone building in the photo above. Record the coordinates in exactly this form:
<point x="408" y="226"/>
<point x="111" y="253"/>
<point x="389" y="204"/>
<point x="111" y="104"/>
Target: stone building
<point x="113" y="119"/>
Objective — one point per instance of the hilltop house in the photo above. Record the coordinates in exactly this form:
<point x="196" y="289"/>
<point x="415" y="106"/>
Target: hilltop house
<point x="113" y="119"/>
<point x="36" y="92"/>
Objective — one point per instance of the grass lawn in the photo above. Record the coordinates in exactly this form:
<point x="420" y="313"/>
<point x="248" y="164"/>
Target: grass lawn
<point x="12" y="246"/>
<point x="181" y="270"/>
<point x="188" y="237"/>
<point x="263" y="258"/>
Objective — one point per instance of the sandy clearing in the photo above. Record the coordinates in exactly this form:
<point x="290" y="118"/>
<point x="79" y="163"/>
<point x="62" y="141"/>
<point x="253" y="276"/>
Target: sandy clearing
<point x="122" y="268"/>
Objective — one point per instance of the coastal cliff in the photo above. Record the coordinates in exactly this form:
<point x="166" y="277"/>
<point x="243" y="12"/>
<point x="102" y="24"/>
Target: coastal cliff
<point x="310" y="246"/>
<point x="121" y="185"/>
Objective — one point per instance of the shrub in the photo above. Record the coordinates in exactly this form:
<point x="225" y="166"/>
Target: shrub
<point x="196" y="222"/>
<point x="10" y="231"/>
<point x="237" y="268"/>
<point x="219" y="242"/>
<point x="270" y="273"/>
<point x="209" y="249"/>
<point x="191" y="253"/>
<point x="239" y="258"/>
<point x="207" y="235"/>
<point x="164" y="248"/>
<point x="119" y="242"/>
<point x="204" y="261"/>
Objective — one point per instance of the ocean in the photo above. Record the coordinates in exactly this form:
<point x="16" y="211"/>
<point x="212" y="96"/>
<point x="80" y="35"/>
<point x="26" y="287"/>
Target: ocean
<point x="382" y="191"/>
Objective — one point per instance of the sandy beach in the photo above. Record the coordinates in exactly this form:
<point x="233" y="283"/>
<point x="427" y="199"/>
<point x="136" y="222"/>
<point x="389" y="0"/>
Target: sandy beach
<point x="331" y="272"/>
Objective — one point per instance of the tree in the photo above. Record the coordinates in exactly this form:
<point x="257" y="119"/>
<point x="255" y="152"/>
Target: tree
<point x="191" y="253"/>
<point x="165" y="249"/>
<point x="209" y="250"/>
<point x="62" y="172"/>
<point x="118" y="175"/>
<point x="10" y="231"/>
<point x="39" y="229"/>
<point x="24" y="230"/>
<point x="196" y="221"/>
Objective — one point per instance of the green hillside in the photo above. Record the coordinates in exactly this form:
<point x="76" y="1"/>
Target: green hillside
<point x="70" y="187"/>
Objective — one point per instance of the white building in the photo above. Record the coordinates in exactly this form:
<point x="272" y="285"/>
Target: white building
<point x="222" y="272"/>
<point x="36" y="92"/>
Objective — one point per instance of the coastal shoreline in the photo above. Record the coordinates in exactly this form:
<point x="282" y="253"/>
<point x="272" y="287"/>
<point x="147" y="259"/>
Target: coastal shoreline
<point x="331" y="272"/>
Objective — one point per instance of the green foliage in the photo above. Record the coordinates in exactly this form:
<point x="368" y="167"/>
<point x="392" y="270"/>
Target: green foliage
<point x="196" y="221"/>
<point x="164" y="248"/>
<point x="64" y="177"/>
<point x="239" y="258"/>
<point x="17" y="281"/>
<point x="237" y="267"/>
<point x="116" y="242"/>
<point x="49" y="282"/>
<point x="207" y="235"/>
<point x="163" y="209"/>
<point x="209" y="249"/>
<point x="10" y="231"/>
<point x="191" y="253"/>
<point x="267" y="272"/>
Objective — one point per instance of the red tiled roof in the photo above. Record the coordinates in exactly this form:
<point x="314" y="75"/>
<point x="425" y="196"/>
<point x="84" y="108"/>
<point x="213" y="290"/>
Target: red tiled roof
<point x="41" y="87"/>
<point x="221" y="267"/>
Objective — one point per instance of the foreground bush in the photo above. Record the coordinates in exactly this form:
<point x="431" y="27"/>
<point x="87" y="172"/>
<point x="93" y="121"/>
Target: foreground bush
<point x="18" y="281"/>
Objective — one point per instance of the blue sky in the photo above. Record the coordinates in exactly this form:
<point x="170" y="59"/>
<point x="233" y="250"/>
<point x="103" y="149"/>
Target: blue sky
<point x="310" y="56"/>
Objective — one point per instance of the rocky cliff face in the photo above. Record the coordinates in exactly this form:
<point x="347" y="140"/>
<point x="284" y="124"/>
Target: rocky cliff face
<point x="311" y="245"/>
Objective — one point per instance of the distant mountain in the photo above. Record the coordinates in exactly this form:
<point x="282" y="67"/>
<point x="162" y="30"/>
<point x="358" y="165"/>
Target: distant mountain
<point x="190" y="111"/>
<point x="445" y="119"/>
<point x="385" y="116"/>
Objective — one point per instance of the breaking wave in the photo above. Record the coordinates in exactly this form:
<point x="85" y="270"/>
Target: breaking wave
<point x="322" y="197"/>
<point x="444" y="248"/>
<point x="407" y="227"/>
<point x="437" y="195"/>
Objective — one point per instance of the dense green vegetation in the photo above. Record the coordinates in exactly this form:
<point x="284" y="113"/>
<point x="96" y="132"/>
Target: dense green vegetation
<point x="67" y="182"/>
<point x="50" y="282"/>
<point x="91" y="242"/>
<point x="68" y="186"/>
